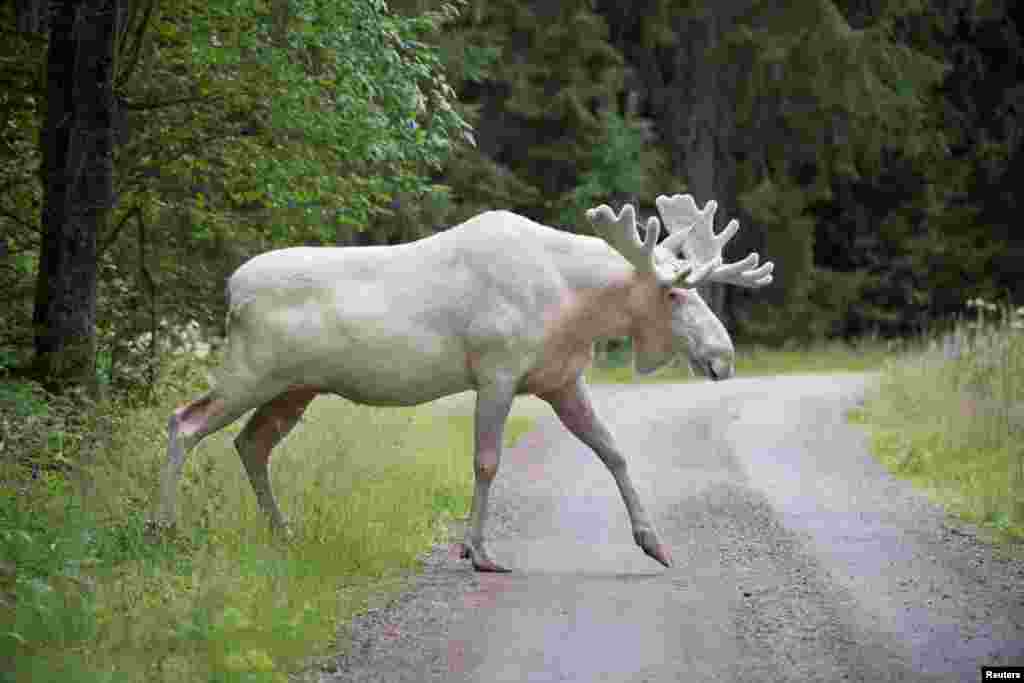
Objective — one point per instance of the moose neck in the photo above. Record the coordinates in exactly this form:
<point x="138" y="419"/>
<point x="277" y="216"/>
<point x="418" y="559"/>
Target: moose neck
<point x="608" y="297"/>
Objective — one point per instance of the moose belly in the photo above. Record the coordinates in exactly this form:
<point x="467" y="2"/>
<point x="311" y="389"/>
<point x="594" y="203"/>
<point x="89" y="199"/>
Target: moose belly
<point x="389" y="367"/>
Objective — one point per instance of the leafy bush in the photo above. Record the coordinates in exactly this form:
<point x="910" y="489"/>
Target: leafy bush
<point x="94" y="597"/>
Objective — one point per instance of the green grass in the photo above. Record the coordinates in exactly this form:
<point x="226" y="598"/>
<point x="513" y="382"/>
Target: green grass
<point x="954" y="427"/>
<point x="824" y="357"/>
<point x="92" y="598"/>
<point x="820" y="357"/>
<point x="953" y="423"/>
<point x="95" y="600"/>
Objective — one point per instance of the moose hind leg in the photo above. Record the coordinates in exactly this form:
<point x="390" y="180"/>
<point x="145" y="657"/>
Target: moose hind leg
<point x="265" y="429"/>
<point x="493" y="402"/>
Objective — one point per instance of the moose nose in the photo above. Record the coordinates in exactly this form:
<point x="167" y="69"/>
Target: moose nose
<point x="720" y="369"/>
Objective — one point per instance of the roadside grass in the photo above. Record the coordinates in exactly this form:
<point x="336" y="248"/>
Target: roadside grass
<point x="950" y="419"/>
<point x="89" y="597"/>
<point x="867" y="355"/>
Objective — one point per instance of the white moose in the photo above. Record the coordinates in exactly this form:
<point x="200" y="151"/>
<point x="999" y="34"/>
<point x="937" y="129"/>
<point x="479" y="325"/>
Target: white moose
<point x="499" y="304"/>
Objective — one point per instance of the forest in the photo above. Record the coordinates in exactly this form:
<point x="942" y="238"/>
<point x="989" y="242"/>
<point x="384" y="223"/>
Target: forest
<point x="868" y="148"/>
<point x="149" y="148"/>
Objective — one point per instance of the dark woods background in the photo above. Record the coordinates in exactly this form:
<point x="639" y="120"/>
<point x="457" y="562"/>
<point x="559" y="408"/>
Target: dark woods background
<point x="868" y="148"/>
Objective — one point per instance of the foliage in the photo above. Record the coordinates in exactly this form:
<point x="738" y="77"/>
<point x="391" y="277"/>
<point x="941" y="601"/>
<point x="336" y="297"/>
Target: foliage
<point x="934" y="227"/>
<point x="842" y="133"/>
<point x="20" y="192"/>
<point x="618" y="165"/>
<point x="92" y="593"/>
<point x="825" y="102"/>
<point x="854" y="85"/>
<point x="244" y="126"/>
<point x="863" y="355"/>
<point x="541" y="85"/>
<point x="360" y="106"/>
<point x="949" y="418"/>
<point x="883" y="200"/>
<point x="971" y="244"/>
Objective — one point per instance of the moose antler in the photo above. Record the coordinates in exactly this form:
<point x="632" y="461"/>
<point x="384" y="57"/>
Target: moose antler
<point x="620" y="232"/>
<point x="692" y="233"/>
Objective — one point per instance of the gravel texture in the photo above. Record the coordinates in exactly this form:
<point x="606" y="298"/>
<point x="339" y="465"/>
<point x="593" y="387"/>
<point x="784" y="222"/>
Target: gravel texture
<point x="797" y="558"/>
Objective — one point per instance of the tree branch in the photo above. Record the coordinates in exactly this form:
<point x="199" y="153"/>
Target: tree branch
<point x="139" y="35"/>
<point x="108" y="241"/>
<point x="147" y="278"/>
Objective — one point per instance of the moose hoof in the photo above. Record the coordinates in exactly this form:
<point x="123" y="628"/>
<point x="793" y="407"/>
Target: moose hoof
<point x="651" y="545"/>
<point x="481" y="562"/>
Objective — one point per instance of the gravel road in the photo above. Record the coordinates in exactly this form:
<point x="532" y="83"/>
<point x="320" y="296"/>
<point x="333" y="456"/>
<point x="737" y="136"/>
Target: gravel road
<point x="797" y="558"/>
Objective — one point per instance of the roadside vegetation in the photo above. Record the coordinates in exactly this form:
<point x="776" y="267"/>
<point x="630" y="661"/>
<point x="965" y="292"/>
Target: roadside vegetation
<point x="947" y="412"/>
<point x="614" y="364"/>
<point x="870" y="150"/>
<point x="87" y="596"/>
<point x="950" y="418"/>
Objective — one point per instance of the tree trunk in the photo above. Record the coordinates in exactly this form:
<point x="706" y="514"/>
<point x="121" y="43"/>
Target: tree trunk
<point x="76" y="143"/>
<point x="697" y="125"/>
<point x="698" y="117"/>
<point x="691" y="96"/>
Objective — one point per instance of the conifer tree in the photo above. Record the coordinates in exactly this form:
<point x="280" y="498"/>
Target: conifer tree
<point x="544" y="89"/>
<point x="843" y="134"/>
<point x="766" y="107"/>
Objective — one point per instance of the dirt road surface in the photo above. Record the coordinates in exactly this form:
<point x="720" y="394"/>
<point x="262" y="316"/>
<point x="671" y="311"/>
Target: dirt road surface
<point x="797" y="558"/>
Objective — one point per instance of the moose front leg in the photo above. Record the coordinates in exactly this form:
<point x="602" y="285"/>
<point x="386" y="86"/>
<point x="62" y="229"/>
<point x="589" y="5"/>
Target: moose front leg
<point x="573" y="407"/>
<point x="493" y="402"/>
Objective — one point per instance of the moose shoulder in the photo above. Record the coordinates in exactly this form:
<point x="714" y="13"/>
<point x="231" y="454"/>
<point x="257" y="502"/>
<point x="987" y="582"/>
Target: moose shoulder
<point x="499" y="304"/>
